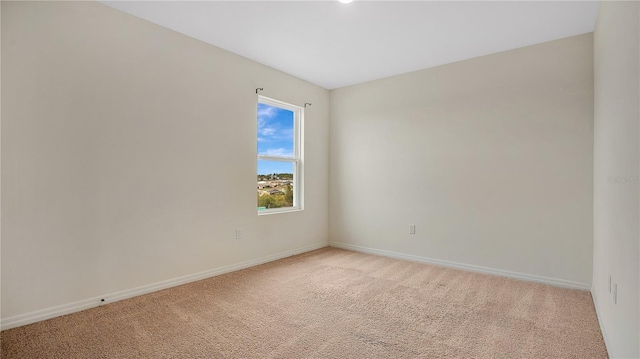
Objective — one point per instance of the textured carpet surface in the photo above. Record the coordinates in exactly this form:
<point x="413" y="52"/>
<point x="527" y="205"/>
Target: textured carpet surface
<point x="329" y="303"/>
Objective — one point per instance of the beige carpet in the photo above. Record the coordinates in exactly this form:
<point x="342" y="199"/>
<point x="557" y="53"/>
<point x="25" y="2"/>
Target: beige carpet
<point x="328" y="303"/>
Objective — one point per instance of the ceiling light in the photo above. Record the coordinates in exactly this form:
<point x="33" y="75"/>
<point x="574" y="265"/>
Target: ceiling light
<point x="346" y="1"/>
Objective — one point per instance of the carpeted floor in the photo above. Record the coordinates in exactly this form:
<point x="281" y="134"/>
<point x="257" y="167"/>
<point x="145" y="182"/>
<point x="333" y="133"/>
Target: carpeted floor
<point x="329" y="303"/>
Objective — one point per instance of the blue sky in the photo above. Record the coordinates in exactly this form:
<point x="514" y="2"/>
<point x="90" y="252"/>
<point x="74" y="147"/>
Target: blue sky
<point x="269" y="167"/>
<point x="275" y="138"/>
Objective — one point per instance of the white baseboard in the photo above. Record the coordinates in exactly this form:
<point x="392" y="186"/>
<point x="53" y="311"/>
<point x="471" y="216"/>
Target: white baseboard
<point x="604" y="333"/>
<point x="468" y="267"/>
<point x="48" y="313"/>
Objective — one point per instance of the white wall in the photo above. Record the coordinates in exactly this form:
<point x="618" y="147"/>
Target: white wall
<point x="616" y="172"/>
<point x="490" y="158"/>
<point x="128" y="157"/>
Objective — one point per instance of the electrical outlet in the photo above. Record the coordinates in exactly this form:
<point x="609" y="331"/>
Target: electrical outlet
<point x="615" y="293"/>
<point x="412" y="229"/>
<point x="238" y="233"/>
<point x="609" y="283"/>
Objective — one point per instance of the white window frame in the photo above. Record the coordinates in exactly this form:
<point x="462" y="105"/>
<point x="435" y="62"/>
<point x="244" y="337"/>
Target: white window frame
<point x="296" y="160"/>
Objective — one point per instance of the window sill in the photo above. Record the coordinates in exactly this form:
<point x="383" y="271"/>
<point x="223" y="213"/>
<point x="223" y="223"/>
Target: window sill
<point x="265" y="212"/>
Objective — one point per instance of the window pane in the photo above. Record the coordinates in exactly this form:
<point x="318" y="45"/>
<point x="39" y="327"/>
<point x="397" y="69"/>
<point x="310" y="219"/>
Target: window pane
<point x="275" y="184"/>
<point x="275" y="131"/>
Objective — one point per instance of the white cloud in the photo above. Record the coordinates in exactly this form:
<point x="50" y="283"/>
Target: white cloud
<point x="280" y="152"/>
<point x="270" y="130"/>
<point x="265" y="112"/>
<point x="267" y="131"/>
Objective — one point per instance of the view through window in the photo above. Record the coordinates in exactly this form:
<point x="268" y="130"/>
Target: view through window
<point x="279" y="160"/>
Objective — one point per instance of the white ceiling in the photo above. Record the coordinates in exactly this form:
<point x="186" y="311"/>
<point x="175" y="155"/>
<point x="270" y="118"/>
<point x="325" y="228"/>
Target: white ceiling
<point x="335" y="45"/>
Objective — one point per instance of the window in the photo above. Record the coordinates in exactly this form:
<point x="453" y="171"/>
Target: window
<point x="279" y="156"/>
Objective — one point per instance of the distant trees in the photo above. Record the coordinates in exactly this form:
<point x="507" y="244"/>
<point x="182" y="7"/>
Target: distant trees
<point x="288" y="195"/>
<point x="266" y="201"/>
<point x="276" y="176"/>
<point x="277" y="200"/>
